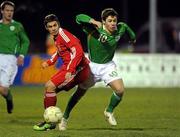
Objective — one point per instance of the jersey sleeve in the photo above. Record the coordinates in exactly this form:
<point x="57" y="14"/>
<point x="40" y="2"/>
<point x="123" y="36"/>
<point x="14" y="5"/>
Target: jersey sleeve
<point x="24" y="40"/>
<point x="76" y="57"/>
<point x="83" y="21"/>
<point x="53" y="59"/>
<point x="128" y="30"/>
<point x="75" y="48"/>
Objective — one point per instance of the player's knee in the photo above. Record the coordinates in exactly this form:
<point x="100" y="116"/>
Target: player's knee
<point x="3" y="90"/>
<point x="119" y="91"/>
<point x="81" y="92"/>
<point x="50" y="87"/>
<point x="86" y="85"/>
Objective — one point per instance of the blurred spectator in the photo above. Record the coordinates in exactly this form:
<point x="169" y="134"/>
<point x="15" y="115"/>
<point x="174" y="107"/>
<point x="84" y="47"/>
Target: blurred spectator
<point x="50" y="47"/>
<point x="168" y="30"/>
<point x="14" y="44"/>
<point x="168" y="36"/>
<point x="176" y="36"/>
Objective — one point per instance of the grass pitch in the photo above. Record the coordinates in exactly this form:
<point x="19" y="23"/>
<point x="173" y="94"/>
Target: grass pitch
<point x="144" y="112"/>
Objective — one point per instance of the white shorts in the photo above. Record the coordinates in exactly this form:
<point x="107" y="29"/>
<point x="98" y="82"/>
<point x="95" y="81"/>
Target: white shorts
<point x="8" y="69"/>
<point x="101" y="72"/>
<point x="104" y="72"/>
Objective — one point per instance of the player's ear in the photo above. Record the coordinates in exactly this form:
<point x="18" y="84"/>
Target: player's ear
<point x="58" y="23"/>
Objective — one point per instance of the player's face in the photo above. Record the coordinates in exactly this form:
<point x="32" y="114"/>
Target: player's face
<point x="53" y="27"/>
<point x="7" y="12"/>
<point x="110" y="24"/>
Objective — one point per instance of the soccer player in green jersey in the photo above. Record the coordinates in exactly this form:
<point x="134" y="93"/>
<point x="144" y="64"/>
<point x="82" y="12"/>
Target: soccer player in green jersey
<point x="14" y="44"/>
<point x="102" y="39"/>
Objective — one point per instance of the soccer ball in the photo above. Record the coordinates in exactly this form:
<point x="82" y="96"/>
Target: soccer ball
<point x="52" y="114"/>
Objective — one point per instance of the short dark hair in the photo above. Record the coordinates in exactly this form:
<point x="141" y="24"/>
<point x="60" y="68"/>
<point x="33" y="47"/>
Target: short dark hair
<point x="108" y="12"/>
<point x="50" y="18"/>
<point x="4" y="3"/>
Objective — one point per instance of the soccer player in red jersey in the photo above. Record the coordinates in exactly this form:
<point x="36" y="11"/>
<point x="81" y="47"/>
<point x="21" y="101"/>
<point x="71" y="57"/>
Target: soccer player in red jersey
<point x="74" y="70"/>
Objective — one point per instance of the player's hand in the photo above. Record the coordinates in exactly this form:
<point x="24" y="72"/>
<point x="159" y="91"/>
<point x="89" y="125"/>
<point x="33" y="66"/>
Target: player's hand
<point x="68" y="75"/>
<point x="98" y="24"/>
<point x="20" y="60"/>
<point x="44" y="65"/>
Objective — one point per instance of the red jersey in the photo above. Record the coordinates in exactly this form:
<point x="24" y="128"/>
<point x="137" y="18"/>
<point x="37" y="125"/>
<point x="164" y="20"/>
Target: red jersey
<point x="70" y="50"/>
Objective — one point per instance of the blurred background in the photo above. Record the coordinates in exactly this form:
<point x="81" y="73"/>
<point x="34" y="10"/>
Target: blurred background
<point x="155" y="22"/>
<point x="135" y="13"/>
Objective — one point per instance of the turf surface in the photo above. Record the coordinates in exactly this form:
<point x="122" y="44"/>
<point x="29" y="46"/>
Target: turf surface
<point x="144" y="112"/>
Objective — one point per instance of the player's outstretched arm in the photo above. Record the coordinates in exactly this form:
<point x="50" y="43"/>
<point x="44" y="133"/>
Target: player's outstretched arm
<point x="96" y="23"/>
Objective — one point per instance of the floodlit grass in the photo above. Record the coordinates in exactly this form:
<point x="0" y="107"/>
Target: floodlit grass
<point x="144" y="112"/>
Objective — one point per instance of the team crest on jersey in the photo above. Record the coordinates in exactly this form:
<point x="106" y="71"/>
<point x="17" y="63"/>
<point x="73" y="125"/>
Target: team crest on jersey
<point x="12" y="28"/>
<point x="117" y="38"/>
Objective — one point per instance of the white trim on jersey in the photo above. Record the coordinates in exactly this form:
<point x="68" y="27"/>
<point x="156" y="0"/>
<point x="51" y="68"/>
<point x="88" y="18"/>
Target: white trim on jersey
<point x="73" y="54"/>
<point x="53" y="56"/>
<point x="63" y="35"/>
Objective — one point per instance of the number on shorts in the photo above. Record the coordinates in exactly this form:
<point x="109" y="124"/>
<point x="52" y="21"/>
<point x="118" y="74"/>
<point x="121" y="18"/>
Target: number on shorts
<point x="113" y="74"/>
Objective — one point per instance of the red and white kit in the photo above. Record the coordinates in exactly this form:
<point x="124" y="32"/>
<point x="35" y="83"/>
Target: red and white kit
<point x="69" y="49"/>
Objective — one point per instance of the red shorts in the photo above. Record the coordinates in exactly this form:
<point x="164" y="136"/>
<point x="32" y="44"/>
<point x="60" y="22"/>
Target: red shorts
<point x="63" y="84"/>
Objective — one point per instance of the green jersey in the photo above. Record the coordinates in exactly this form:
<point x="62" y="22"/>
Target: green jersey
<point x="102" y="45"/>
<point x="13" y="39"/>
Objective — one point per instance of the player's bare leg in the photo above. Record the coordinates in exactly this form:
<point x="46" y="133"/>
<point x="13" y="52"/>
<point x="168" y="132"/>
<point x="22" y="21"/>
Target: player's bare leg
<point x="118" y="88"/>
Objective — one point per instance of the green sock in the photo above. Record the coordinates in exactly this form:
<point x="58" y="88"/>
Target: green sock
<point x="114" y="101"/>
<point x="72" y="102"/>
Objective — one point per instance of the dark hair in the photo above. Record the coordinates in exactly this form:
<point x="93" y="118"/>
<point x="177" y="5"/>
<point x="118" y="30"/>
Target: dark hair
<point x="50" y="18"/>
<point x="108" y="12"/>
<point x="4" y="3"/>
